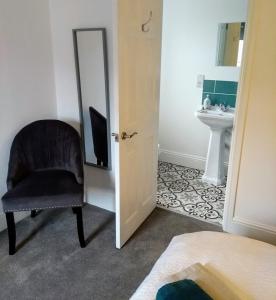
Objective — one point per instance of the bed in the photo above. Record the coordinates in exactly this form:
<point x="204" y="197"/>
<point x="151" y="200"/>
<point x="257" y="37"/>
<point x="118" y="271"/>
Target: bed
<point x="245" y="265"/>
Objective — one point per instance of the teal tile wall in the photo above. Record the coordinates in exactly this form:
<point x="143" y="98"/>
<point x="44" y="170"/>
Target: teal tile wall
<point x="220" y="92"/>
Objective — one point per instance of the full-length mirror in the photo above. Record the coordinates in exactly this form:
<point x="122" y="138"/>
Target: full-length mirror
<point x="230" y="44"/>
<point x="92" y="78"/>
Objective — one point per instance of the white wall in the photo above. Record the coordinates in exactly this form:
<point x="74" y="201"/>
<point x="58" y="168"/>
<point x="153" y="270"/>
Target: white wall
<point x="190" y="30"/>
<point x="65" y="16"/>
<point x="27" y="91"/>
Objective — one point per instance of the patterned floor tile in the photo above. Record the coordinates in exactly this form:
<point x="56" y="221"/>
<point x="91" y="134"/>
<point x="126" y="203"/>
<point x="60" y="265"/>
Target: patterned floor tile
<point x="180" y="189"/>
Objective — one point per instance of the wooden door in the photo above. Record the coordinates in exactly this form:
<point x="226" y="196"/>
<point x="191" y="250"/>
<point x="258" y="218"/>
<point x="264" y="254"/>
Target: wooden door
<point x="139" y="59"/>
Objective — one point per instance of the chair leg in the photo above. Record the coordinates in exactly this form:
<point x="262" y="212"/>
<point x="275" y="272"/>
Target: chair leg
<point x="11" y="232"/>
<point x="78" y="212"/>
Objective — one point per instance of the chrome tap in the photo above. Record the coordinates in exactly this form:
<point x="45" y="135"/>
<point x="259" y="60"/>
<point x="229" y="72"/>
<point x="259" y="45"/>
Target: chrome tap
<point x="223" y="108"/>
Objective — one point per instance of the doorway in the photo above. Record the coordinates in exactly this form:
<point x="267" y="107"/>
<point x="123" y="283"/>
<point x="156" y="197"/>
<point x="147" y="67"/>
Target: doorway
<point x="208" y="74"/>
<point x="202" y="43"/>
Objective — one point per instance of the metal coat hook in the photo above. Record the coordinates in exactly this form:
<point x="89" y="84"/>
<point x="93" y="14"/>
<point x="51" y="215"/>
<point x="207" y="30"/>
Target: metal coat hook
<point x="144" y="26"/>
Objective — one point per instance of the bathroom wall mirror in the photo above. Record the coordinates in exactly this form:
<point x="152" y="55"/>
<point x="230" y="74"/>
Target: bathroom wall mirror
<point x="230" y="44"/>
<point x="92" y="79"/>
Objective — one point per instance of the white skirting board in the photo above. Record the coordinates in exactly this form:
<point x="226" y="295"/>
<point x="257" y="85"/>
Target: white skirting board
<point x="186" y="160"/>
<point x="251" y="229"/>
<point x="104" y="200"/>
<point x="18" y="217"/>
<point x="99" y="189"/>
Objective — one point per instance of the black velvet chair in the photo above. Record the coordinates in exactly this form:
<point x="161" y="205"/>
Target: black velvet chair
<point x="99" y="132"/>
<point x="45" y="171"/>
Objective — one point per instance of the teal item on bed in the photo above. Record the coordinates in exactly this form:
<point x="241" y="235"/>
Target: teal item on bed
<point x="182" y="290"/>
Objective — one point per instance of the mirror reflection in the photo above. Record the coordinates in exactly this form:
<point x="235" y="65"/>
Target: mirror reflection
<point x="91" y="65"/>
<point x="230" y="44"/>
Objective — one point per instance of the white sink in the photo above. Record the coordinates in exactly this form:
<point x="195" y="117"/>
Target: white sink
<point x="218" y="121"/>
<point x="216" y="118"/>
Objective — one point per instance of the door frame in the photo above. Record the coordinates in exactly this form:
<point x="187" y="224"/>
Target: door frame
<point x="241" y="112"/>
<point x="239" y="125"/>
<point x="231" y="222"/>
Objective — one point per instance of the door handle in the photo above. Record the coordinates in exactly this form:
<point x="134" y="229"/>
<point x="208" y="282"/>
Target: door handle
<point x="125" y="136"/>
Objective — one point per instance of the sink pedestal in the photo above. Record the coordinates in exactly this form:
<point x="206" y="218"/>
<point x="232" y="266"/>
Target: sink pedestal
<point x="214" y="169"/>
<point x="218" y="122"/>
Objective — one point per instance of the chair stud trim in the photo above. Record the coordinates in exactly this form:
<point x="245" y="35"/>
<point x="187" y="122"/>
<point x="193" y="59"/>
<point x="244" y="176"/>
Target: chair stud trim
<point x="39" y="208"/>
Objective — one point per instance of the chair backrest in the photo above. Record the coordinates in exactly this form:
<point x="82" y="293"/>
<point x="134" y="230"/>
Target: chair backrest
<point x="99" y="132"/>
<point x="42" y="145"/>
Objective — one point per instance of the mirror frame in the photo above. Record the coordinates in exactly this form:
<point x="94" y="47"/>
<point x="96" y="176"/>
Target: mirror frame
<point x="76" y="54"/>
<point x="219" y="42"/>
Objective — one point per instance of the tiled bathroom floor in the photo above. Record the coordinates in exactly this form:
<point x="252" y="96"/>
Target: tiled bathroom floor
<point x="181" y="190"/>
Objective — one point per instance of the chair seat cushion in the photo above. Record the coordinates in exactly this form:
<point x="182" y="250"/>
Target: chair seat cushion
<point x="44" y="189"/>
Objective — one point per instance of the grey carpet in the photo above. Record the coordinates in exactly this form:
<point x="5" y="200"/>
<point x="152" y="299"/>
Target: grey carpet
<point x="50" y="264"/>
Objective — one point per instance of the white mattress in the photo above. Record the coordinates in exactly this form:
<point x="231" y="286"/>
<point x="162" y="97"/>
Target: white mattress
<point x="248" y="266"/>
